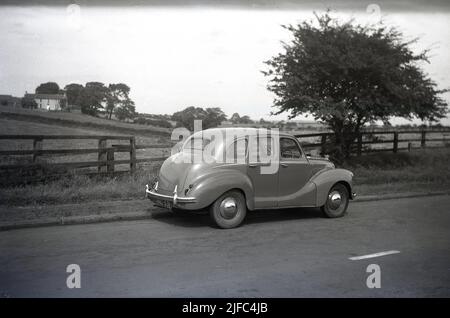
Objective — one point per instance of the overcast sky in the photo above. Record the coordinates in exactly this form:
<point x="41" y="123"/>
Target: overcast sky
<point x="177" y="56"/>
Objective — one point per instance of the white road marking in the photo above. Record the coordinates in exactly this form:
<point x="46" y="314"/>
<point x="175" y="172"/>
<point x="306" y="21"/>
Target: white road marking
<point x="357" y="258"/>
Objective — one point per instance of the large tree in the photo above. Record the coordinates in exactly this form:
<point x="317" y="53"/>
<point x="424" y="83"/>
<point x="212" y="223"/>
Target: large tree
<point x="214" y="117"/>
<point x="347" y="74"/>
<point x="93" y="98"/>
<point x="246" y="120"/>
<point x="48" y="88"/>
<point x="235" y="118"/>
<point x="118" y="100"/>
<point x="126" y="110"/>
<point x="73" y="92"/>
<point x="28" y="102"/>
<point x="211" y="117"/>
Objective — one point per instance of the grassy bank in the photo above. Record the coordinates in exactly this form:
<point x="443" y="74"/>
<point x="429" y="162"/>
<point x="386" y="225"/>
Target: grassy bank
<point x="418" y="171"/>
<point x="73" y="120"/>
<point x="421" y="170"/>
<point x="80" y="188"/>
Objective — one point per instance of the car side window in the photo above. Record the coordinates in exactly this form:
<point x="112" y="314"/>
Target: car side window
<point x="261" y="149"/>
<point x="265" y="146"/>
<point x="289" y="149"/>
<point x="237" y="151"/>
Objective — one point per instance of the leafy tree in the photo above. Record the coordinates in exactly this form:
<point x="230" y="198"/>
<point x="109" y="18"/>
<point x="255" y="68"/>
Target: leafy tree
<point x="214" y="117"/>
<point x="118" y="96"/>
<point x="235" y="118"/>
<point x="186" y="117"/>
<point x="126" y="110"/>
<point x="92" y="98"/>
<point x="73" y="92"/>
<point x="48" y="88"/>
<point x="63" y="104"/>
<point x="246" y="120"/>
<point x="27" y="102"/>
<point x="211" y="117"/>
<point x="347" y="75"/>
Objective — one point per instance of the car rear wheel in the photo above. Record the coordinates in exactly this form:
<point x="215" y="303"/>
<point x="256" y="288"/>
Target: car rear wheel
<point x="229" y="210"/>
<point x="337" y="202"/>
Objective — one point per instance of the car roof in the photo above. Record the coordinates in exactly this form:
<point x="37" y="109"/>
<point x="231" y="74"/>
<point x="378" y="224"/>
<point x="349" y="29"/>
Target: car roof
<point x="243" y="131"/>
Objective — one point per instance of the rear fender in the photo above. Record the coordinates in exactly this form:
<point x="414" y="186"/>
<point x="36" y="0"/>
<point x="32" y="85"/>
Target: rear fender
<point x="207" y="188"/>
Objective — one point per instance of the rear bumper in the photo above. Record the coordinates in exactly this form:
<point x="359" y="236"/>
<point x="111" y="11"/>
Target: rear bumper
<point x="175" y="199"/>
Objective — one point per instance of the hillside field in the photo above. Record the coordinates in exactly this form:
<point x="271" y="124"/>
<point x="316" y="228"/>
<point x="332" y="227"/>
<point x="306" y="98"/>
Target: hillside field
<point x="20" y="127"/>
<point x="77" y="120"/>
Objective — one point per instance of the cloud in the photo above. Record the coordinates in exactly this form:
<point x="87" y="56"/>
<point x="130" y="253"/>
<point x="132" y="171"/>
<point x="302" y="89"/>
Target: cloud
<point x="173" y="57"/>
<point x="386" y="5"/>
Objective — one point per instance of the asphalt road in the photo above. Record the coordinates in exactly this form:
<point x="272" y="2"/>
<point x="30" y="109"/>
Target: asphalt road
<point x="289" y="253"/>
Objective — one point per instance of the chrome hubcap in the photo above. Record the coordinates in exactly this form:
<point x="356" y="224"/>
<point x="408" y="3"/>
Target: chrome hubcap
<point x="228" y="208"/>
<point x="335" y="200"/>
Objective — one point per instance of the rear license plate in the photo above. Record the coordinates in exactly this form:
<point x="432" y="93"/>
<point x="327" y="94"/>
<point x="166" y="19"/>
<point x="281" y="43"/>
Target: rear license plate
<point x="164" y="204"/>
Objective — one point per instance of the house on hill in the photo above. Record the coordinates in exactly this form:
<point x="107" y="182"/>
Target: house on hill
<point x="49" y="101"/>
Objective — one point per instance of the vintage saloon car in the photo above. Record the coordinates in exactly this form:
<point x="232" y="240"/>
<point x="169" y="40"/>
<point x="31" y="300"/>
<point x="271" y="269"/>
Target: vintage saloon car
<point x="231" y="187"/>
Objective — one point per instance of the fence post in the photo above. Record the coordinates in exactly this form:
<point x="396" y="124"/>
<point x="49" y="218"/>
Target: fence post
<point x="359" y="145"/>
<point x="102" y="155"/>
<point x="37" y="145"/>
<point x="422" y="142"/>
<point x="110" y="158"/>
<point x="409" y="146"/>
<point x="395" y="141"/>
<point x="132" y="154"/>
<point x="323" y="142"/>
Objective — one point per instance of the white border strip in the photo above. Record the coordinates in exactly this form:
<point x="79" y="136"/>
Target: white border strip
<point x="357" y="258"/>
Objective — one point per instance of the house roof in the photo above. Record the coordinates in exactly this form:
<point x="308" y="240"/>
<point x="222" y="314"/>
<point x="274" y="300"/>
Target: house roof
<point x="46" y="96"/>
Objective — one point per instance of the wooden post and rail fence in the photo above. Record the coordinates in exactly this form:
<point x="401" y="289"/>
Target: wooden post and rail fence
<point x="106" y="155"/>
<point x="107" y="160"/>
<point x="364" y="145"/>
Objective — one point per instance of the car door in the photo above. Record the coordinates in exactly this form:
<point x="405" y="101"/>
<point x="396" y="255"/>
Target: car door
<point x="265" y="185"/>
<point x="294" y="173"/>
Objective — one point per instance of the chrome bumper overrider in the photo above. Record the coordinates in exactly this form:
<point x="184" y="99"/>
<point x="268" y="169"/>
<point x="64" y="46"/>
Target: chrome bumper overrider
<point x="152" y="194"/>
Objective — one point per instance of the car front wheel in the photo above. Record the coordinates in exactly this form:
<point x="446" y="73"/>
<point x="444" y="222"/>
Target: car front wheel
<point x="337" y="202"/>
<point x="229" y="210"/>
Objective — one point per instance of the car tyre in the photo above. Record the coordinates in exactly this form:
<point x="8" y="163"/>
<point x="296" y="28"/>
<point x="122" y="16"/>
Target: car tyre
<point x="337" y="202"/>
<point x="229" y="210"/>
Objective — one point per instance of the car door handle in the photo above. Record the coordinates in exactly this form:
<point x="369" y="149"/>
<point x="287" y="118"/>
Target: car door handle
<point x="252" y="165"/>
<point x="284" y="165"/>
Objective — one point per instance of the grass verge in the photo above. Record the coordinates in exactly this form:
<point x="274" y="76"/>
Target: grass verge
<point x="418" y="171"/>
<point x="79" y="189"/>
<point x="422" y="170"/>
